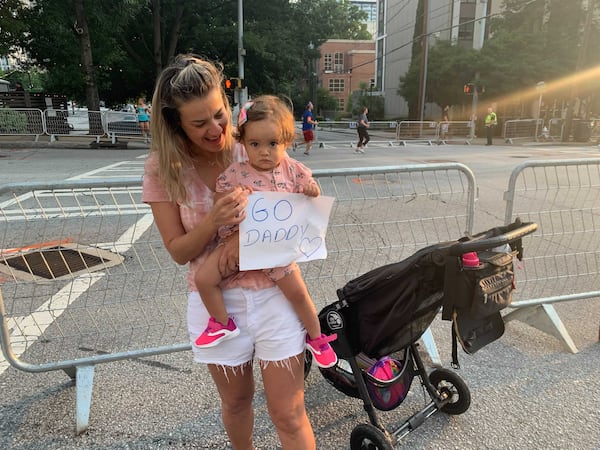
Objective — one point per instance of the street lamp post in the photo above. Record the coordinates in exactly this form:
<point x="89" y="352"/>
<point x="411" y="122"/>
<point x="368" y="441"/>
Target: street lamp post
<point x="311" y="75"/>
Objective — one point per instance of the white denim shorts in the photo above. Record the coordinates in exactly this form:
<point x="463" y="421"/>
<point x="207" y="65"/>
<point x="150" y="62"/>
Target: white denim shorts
<point x="270" y="330"/>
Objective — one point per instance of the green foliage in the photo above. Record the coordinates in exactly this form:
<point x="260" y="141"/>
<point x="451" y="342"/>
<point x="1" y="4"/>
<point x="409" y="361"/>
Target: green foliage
<point x="276" y="40"/>
<point x="12" y="122"/>
<point x="11" y="29"/>
<point x="364" y="97"/>
<point x="449" y="68"/>
<point x="530" y="42"/>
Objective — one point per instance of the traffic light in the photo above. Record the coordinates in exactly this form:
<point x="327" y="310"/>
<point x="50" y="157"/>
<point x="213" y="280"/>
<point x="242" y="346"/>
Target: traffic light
<point x="231" y="84"/>
<point x="469" y="88"/>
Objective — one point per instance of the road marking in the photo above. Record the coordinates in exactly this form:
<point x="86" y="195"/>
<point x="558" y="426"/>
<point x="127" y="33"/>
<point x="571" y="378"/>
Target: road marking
<point x="34" y="324"/>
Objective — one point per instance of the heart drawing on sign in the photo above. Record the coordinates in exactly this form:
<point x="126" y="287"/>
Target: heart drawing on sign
<point x="310" y="246"/>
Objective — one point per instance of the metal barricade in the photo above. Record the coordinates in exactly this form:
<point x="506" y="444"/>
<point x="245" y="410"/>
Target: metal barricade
<point x="457" y="131"/>
<point x="522" y="129"/>
<point x="56" y="123"/>
<point x="122" y="124"/>
<point x="86" y="123"/>
<point x="21" y="122"/>
<point x="595" y="136"/>
<point x="417" y="131"/>
<point x="555" y="128"/>
<point x="86" y="278"/>
<point x="562" y="256"/>
<point x="329" y="132"/>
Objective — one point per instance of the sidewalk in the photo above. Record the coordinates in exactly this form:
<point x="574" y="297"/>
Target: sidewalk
<point x="89" y="143"/>
<point x="70" y="142"/>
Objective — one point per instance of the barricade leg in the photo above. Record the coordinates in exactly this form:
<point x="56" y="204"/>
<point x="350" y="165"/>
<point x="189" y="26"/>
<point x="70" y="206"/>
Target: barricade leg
<point x="429" y="343"/>
<point x="545" y="318"/>
<point x="84" y="383"/>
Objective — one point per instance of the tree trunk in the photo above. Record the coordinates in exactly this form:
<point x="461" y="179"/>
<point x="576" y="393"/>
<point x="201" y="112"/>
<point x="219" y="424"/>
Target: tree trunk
<point x="175" y="30"/>
<point x="83" y="34"/>
<point x="157" y="37"/>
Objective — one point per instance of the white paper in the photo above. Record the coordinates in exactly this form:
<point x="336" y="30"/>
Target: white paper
<point x="281" y="228"/>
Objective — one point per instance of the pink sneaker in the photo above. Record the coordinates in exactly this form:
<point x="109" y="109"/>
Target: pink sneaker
<point x="215" y="333"/>
<point x="322" y="352"/>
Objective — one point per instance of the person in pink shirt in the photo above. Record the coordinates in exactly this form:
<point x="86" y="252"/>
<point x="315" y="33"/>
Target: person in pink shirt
<point x="266" y="129"/>
<point x="192" y="144"/>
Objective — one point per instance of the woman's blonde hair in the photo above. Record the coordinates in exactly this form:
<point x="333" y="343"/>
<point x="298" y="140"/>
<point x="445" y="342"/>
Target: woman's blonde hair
<point x="268" y="107"/>
<point x="189" y="77"/>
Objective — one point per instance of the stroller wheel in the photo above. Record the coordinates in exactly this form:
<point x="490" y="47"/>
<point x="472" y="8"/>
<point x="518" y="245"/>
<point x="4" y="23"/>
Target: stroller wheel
<point x="449" y="383"/>
<point x="307" y="363"/>
<point x="368" y="437"/>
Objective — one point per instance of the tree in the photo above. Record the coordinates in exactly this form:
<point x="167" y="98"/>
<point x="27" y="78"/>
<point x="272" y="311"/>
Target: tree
<point x="449" y="68"/>
<point x="11" y="28"/>
<point x="132" y="40"/>
<point x="87" y="60"/>
<point x="529" y="42"/>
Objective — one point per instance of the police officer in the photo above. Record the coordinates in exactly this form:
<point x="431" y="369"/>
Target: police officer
<point x="490" y="123"/>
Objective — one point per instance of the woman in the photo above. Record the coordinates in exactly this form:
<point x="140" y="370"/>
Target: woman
<point x="192" y="144"/>
<point x="143" y="113"/>
<point x="363" y="134"/>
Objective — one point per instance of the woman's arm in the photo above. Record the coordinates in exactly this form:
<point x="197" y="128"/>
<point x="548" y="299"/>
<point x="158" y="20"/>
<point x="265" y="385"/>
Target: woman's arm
<point x="184" y="246"/>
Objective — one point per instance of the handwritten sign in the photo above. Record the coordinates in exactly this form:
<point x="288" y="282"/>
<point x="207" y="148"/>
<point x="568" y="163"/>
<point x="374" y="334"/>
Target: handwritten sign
<point x="281" y="228"/>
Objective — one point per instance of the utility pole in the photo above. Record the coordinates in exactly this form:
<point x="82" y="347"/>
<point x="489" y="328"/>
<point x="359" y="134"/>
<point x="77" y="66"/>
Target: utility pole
<point x="474" y="106"/>
<point x="242" y="94"/>
<point x="424" y="56"/>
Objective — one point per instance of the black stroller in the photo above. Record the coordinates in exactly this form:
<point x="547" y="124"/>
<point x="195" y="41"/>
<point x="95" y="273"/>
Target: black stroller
<point x="381" y="315"/>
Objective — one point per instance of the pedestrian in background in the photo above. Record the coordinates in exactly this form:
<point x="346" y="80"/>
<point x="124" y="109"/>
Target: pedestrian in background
<point x="363" y="134"/>
<point x="444" y="127"/>
<point x="143" y="114"/>
<point x="490" y="123"/>
<point x="308" y="125"/>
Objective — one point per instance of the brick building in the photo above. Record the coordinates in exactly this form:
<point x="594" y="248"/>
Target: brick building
<point x="343" y="66"/>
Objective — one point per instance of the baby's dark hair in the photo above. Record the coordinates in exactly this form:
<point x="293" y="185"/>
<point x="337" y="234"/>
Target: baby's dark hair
<point x="268" y="107"/>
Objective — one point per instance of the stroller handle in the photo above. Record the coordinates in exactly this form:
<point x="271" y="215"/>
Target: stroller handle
<point x="479" y="242"/>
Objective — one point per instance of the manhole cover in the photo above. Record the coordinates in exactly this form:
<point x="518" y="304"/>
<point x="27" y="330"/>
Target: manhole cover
<point x="52" y="263"/>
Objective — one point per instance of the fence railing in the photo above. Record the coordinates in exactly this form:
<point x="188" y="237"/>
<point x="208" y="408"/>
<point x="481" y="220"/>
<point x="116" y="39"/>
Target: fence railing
<point x="22" y="122"/>
<point x="522" y="129"/>
<point x="413" y="130"/>
<point x="61" y="122"/>
<point x="562" y="257"/>
<point x="85" y="278"/>
<point x="84" y="269"/>
<point x="115" y="124"/>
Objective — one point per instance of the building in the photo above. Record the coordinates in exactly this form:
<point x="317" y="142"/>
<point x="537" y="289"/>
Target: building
<point x="370" y="7"/>
<point x="344" y="66"/>
<point x="463" y="22"/>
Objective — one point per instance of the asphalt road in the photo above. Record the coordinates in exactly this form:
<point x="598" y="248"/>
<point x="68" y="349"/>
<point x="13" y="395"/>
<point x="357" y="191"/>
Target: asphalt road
<point x="527" y="392"/>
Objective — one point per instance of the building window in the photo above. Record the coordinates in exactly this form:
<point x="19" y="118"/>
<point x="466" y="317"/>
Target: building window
<point x="327" y="62"/>
<point x="338" y="62"/>
<point x="336" y="85"/>
<point x="465" y="30"/>
<point x="340" y="104"/>
<point x="369" y="7"/>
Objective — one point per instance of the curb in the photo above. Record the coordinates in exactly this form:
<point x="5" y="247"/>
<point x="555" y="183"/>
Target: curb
<point x="74" y="145"/>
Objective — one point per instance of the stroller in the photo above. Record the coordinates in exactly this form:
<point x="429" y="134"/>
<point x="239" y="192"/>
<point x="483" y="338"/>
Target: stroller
<point x="381" y="315"/>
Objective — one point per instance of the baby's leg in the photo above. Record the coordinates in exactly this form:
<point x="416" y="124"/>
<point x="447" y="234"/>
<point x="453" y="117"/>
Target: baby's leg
<point x="294" y="288"/>
<point x="207" y="279"/>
